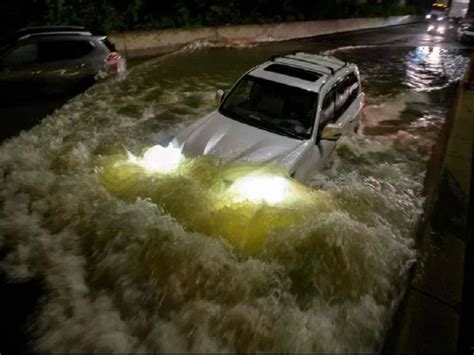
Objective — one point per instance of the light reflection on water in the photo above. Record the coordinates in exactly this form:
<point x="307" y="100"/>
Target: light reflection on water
<point x="433" y="68"/>
<point x="409" y="91"/>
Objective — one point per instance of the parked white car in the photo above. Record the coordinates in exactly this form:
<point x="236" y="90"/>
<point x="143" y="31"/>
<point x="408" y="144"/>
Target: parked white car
<point x="288" y="111"/>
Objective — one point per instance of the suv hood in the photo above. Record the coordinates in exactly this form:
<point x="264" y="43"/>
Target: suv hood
<point x="221" y="136"/>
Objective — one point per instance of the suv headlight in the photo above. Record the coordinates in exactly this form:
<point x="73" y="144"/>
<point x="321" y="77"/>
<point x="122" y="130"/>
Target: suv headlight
<point x="160" y="159"/>
<point x="264" y="188"/>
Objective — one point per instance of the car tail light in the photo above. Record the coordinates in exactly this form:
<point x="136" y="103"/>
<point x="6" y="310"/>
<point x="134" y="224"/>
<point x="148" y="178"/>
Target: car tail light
<point x="112" y="62"/>
<point x="113" y="58"/>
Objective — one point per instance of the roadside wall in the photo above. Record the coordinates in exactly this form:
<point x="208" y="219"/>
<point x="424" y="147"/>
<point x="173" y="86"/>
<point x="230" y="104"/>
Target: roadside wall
<point x="147" y="43"/>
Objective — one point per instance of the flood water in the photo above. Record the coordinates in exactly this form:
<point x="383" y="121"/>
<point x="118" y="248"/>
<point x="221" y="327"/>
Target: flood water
<point x="140" y="262"/>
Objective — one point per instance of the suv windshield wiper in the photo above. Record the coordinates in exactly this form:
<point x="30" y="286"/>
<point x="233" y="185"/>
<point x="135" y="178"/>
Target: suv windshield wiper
<point x="291" y="134"/>
<point x="255" y="117"/>
<point x="259" y="122"/>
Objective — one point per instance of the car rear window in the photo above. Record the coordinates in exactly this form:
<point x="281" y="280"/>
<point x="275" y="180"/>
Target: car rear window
<point x="109" y="45"/>
<point x="293" y="72"/>
<point x="52" y="51"/>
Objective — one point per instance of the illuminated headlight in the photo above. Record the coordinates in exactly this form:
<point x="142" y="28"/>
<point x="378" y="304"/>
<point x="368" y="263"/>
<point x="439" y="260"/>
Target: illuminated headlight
<point x="441" y="29"/>
<point x="431" y="28"/>
<point x="266" y="188"/>
<point x="440" y="18"/>
<point x="160" y="159"/>
<point x="428" y="16"/>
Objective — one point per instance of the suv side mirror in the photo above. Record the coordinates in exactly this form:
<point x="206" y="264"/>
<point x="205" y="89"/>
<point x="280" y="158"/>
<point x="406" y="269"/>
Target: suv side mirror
<point x="219" y="95"/>
<point x="331" y="132"/>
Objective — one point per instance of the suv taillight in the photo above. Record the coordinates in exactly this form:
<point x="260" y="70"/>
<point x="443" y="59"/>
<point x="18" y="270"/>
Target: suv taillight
<point x="113" y="58"/>
<point x="112" y="62"/>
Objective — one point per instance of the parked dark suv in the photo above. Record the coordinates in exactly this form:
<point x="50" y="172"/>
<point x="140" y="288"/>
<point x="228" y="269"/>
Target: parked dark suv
<point x="465" y="33"/>
<point x="54" y="60"/>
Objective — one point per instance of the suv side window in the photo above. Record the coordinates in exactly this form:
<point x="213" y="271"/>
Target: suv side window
<point x="327" y="109"/>
<point x="55" y="51"/>
<point x="346" y="92"/>
<point x="22" y="55"/>
<point x="353" y="88"/>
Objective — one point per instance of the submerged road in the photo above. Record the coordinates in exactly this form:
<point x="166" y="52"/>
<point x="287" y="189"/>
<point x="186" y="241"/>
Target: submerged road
<point x="134" y="263"/>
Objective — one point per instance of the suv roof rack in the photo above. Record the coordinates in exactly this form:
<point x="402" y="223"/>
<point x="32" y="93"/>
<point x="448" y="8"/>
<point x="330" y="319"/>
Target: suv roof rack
<point x="26" y="32"/>
<point x="299" y="56"/>
<point x="57" y="33"/>
<point x="289" y="61"/>
<point x="38" y="29"/>
<point x="317" y="59"/>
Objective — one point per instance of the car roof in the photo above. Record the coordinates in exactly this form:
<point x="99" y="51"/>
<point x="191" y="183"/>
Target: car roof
<point x="306" y="71"/>
<point x="52" y="31"/>
<point x="36" y="29"/>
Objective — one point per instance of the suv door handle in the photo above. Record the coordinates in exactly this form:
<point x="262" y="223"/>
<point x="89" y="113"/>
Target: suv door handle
<point x="36" y="72"/>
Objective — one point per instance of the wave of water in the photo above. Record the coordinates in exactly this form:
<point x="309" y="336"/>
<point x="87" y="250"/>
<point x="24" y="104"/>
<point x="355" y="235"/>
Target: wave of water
<point x="143" y="263"/>
<point x="227" y="43"/>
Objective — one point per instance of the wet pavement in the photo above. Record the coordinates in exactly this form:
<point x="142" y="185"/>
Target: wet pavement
<point x="133" y="264"/>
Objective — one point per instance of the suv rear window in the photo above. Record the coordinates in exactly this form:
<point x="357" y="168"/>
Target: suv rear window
<point x="109" y="45"/>
<point x="53" y="51"/>
<point x="294" y="72"/>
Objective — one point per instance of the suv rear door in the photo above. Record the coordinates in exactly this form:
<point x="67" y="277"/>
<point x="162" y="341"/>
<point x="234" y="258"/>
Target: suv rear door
<point x="62" y="63"/>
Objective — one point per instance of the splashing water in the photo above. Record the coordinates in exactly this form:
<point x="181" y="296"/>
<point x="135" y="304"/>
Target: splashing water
<point x="139" y="261"/>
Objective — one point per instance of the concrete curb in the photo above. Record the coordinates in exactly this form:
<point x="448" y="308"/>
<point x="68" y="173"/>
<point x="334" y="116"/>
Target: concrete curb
<point x="148" y="43"/>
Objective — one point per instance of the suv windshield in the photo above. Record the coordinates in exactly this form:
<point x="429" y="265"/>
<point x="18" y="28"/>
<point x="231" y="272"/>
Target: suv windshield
<point x="275" y="107"/>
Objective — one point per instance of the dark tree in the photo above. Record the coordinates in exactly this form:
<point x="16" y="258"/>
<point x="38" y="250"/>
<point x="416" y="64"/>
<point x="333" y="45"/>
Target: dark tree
<point x="112" y="15"/>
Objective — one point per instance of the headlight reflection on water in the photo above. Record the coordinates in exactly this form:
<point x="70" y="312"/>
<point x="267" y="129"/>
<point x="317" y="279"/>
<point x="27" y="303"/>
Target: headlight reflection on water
<point x="242" y="203"/>
<point x="271" y="189"/>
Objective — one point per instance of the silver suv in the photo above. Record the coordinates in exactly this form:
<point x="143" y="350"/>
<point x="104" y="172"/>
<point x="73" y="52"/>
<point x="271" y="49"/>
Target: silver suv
<point x="52" y="60"/>
<point x="288" y="111"/>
